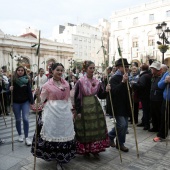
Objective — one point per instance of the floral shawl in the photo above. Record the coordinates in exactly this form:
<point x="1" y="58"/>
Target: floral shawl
<point x="89" y="87"/>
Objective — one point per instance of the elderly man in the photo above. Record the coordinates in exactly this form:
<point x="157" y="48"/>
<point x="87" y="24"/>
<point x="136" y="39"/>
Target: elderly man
<point x="121" y="104"/>
<point x="156" y="96"/>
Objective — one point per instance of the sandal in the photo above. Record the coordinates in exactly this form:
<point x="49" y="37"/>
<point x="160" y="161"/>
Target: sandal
<point x="157" y="139"/>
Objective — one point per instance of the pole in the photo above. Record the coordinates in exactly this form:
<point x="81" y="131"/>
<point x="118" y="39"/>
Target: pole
<point x="114" y="121"/>
<point x="11" y="108"/>
<point x="163" y="37"/>
<point x="130" y="100"/>
<point x="38" y="54"/>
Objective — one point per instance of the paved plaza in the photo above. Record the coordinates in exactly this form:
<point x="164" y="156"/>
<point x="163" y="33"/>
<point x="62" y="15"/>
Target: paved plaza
<point x="153" y="156"/>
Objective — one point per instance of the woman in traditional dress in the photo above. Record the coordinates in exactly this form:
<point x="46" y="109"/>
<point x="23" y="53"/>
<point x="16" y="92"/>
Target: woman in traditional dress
<point x="55" y="137"/>
<point x="90" y="123"/>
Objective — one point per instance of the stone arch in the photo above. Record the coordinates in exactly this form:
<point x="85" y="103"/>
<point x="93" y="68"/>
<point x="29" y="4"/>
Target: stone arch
<point x="25" y="62"/>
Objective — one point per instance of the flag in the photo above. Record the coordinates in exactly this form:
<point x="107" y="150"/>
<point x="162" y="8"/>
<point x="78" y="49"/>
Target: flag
<point x="38" y="49"/>
<point x="119" y="49"/>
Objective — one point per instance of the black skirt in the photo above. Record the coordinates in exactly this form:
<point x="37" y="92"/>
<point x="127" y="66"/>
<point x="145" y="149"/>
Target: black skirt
<point x="62" y="152"/>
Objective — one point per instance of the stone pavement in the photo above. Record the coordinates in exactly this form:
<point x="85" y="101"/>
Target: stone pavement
<point x="153" y="156"/>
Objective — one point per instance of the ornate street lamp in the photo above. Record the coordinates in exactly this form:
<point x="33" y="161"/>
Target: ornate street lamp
<point x="163" y="32"/>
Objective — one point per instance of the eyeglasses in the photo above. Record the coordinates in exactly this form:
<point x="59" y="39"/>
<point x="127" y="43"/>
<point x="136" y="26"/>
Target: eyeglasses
<point x="126" y="66"/>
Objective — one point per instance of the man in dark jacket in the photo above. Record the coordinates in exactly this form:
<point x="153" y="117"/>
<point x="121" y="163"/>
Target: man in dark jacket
<point x="121" y="104"/>
<point x="143" y="87"/>
<point x="156" y="96"/>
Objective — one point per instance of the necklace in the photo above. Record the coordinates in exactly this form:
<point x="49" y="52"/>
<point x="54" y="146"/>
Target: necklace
<point x="59" y="84"/>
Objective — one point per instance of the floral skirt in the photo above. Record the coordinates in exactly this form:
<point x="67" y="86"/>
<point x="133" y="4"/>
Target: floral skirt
<point x="93" y="147"/>
<point x="62" y="152"/>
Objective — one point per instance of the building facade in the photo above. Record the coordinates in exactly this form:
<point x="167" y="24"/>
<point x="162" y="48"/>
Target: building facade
<point x="104" y="26"/>
<point x="135" y="29"/>
<point x="25" y="55"/>
<point x="86" y="40"/>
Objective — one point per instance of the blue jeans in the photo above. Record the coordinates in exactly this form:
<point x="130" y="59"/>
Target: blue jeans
<point x="122" y="126"/>
<point x="23" y="108"/>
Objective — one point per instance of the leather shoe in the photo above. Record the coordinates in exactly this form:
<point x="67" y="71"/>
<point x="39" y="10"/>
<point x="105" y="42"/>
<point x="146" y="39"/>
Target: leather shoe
<point x="123" y="148"/>
<point x="153" y="130"/>
<point x="140" y="125"/>
<point x="146" y="128"/>
<point x="112" y="144"/>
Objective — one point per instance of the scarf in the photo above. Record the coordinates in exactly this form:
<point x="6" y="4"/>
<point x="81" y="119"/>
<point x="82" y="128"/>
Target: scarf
<point x="90" y="87"/>
<point x="21" y="81"/>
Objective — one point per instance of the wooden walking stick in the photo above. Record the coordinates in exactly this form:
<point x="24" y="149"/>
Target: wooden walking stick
<point x="113" y="114"/>
<point x="37" y="54"/>
<point x="167" y="114"/>
<point x="134" y="128"/>
<point x="11" y="108"/>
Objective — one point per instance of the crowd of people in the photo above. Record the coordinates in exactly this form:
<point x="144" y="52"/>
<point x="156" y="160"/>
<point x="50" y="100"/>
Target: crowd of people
<point x="72" y="120"/>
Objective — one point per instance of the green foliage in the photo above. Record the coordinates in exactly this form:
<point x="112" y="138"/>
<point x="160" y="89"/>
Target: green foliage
<point x="78" y="64"/>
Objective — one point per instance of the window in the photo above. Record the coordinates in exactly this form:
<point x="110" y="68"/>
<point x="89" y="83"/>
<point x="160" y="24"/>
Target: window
<point x="80" y="39"/>
<point x="135" y="21"/>
<point x="135" y="42"/>
<point x="119" y="24"/>
<point x="80" y="54"/>
<point x="75" y="38"/>
<point x="168" y="13"/>
<point x="151" y="41"/>
<point x="151" y="17"/>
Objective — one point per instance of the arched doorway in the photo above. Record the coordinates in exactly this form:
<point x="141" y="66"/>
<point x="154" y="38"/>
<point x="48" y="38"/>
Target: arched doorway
<point x="25" y="62"/>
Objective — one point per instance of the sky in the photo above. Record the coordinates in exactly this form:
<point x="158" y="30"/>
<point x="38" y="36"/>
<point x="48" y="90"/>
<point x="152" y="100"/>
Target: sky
<point x="44" y="15"/>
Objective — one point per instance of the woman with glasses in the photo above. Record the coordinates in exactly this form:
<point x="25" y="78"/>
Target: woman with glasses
<point x="22" y="98"/>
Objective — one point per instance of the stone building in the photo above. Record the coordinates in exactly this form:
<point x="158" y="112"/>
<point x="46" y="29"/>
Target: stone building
<point x="135" y="28"/>
<point x="25" y="55"/>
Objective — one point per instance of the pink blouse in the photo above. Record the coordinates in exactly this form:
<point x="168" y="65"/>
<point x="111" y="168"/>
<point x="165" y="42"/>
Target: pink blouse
<point x="51" y="92"/>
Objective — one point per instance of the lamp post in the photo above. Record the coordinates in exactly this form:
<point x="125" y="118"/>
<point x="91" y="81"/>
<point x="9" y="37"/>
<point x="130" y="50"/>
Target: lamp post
<point x="163" y="32"/>
<point x="71" y="62"/>
<point x="18" y="58"/>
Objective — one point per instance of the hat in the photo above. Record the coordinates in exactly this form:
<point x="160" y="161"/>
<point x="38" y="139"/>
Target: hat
<point x="119" y="62"/>
<point x="156" y="65"/>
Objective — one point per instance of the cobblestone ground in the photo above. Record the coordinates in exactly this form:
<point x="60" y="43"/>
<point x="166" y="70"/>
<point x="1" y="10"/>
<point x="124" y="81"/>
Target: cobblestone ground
<point x="152" y="156"/>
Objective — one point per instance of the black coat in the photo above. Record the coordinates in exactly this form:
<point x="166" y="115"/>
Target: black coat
<point x="120" y="97"/>
<point x="143" y="86"/>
